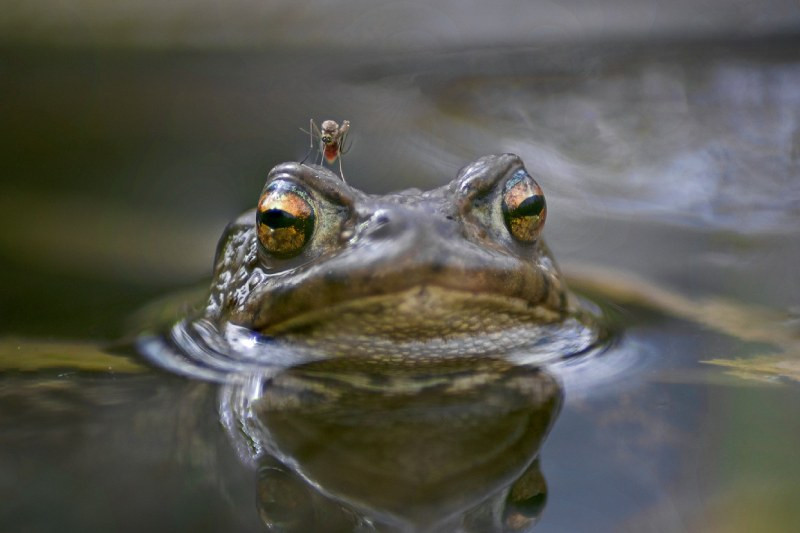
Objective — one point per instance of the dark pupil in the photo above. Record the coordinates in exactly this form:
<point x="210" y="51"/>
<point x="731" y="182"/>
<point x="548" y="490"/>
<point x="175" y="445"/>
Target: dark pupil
<point x="277" y="218"/>
<point x="530" y="207"/>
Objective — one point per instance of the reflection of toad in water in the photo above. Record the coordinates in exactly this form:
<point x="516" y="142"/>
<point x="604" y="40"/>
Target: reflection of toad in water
<point x="352" y="444"/>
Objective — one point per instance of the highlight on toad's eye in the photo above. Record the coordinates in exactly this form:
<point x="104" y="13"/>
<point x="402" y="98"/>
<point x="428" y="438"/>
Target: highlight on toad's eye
<point x="524" y="207"/>
<point x="284" y="220"/>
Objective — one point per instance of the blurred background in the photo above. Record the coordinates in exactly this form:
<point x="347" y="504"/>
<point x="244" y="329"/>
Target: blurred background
<point x="371" y="24"/>
<point x="666" y="136"/>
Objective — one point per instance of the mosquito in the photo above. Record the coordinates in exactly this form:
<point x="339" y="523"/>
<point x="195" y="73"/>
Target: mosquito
<point x="331" y="141"/>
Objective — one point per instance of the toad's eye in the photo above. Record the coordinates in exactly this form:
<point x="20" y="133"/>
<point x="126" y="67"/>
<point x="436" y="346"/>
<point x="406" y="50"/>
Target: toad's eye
<point x="524" y="208"/>
<point x="284" y="219"/>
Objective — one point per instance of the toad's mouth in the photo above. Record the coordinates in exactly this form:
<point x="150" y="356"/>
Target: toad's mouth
<point x="429" y="321"/>
<point x="417" y="298"/>
<point x="419" y="312"/>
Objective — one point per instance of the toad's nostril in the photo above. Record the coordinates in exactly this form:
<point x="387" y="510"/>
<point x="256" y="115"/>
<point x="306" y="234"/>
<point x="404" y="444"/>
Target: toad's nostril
<point x="384" y="224"/>
<point x="381" y="228"/>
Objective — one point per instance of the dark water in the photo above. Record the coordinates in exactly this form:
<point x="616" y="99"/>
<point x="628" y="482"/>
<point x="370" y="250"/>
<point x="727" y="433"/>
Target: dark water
<point x="678" y="162"/>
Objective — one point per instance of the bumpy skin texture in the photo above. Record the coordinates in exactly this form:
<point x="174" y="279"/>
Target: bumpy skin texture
<point x="408" y="265"/>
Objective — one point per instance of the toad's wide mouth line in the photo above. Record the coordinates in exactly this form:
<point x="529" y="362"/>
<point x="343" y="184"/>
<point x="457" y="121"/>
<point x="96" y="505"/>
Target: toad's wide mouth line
<point x="417" y="312"/>
<point x="415" y="290"/>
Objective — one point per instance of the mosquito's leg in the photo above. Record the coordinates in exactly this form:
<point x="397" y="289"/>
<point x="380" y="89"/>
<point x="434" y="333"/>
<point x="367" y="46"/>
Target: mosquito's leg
<point x="321" y="147"/>
<point x="341" y="172"/>
<point x="306" y="156"/>
<point x="311" y="128"/>
<point x="321" y="153"/>
<point x="310" y="146"/>
<point x="342" y="134"/>
<point x="344" y="149"/>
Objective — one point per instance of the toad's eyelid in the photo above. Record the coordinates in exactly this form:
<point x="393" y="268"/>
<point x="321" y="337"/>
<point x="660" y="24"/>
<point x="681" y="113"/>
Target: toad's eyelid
<point x="518" y="176"/>
<point x="487" y="176"/>
<point x="318" y="182"/>
<point x="286" y="185"/>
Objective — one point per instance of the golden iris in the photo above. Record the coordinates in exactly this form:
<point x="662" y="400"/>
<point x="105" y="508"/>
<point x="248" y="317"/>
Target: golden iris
<point x="284" y="219"/>
<point x="524" y="208"/>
